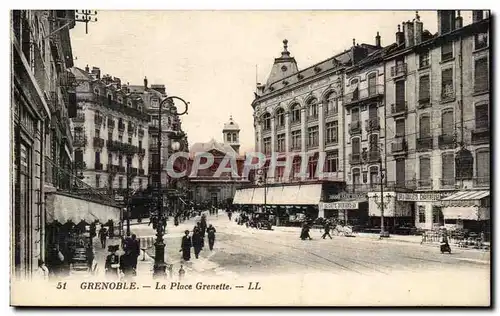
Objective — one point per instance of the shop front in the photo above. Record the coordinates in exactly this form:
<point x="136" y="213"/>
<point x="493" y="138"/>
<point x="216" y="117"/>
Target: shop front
<point x="427" y="206"/>
<point x="398" y="215"/>
<point x="353" y="213"/>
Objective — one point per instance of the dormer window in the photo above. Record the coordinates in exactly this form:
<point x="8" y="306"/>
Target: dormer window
<point x="110" y="98"/>
<point x="129" y="103"/>
<point x="154" y="103"/>
<point x="119" y="100"/>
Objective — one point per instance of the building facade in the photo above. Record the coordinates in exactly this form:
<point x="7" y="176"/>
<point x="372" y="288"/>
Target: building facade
<point x="110" y="133"/>
<point x="41" y="142"/>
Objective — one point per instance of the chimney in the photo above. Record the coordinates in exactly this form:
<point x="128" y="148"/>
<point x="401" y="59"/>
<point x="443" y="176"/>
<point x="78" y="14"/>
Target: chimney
<point x="87" y="69"/>
<point x="97" y="72"/>
<point x="446" y="21"/>
<point x="400" y="38"/>
<point x="477" y="15"/>
<point x="418" y="28"/>
<point x="145" y="83"/>
<point x="409" y="34"/>
<point x="377" y="40"/>
<point x="459" y="21"/>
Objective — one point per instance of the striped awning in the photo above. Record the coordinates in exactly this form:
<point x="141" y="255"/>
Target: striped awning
<point x="467" y="195"/>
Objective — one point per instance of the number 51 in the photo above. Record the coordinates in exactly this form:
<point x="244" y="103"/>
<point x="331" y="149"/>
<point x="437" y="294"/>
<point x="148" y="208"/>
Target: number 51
<point x="61" y="286"/>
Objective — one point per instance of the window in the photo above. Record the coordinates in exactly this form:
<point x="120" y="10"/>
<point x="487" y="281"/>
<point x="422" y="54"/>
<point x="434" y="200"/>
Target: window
<point x="355" y="92"/>
<point x="267" y="145"/>
<point x="280" y="117"/>
<point x="155" y="103"/>
<point x="110" y="135"/>
<point x="267" y="121"/>
<point x="154" y="121"/>
<point x="141" y="161"/>
<point x="78" y="156"/>
<point x="355" y="115"/>
<point x="373" y="144"/>
<point x="97" y="157"/>
<point x="97" y="181"/>
<point x="110" y="158"/>
<point x="313" y="138"/>
<point x="110" y="98"/>
<point x="296" y="141"/>
<point x="482" y="116"/>
<point x="447" y="51"/>
<point x="425" y="126"/>
<point x="332" y="132"/>
<point x="437" y="215"/>
<point x="140" y="183"/>
<point x="280" y="171"/>
<point x="400" y="128"/>
<point x="374" y="179"/>
<point x="356" y="176"/>
<point x="400" y="95"/>
<point x="421" y="214"/>
<point x="400" y="172"/>
<point x="448" y="168"/>
<point x="331" y="104"/>
<point x="372" y="84"/>
<point x="423" y="59"/>
<point x="97" y="133"/>
<point x="295" y="113"/>
<point x="140" y="144"/>
<point x="312" y="166"/>
<point x="120" y="138"/>
<point x="424" y="171"/>
<point x="130" y="140"/>
<point x="235" y="137"/>
<point x="120" y="160"/>
<point x="447" y="125"/>
<point x="447" y="90"/>
<point x="332" y="161"/>
<point x="281" y="143"/>
<point x="424" y="89"/>
<point x="296" y="166"/>
<point x="313" y="108"/>
<point x="356" y="146"/>
<point x="481" y="82"/>
<point x="480" y="40"/>
<point x="483" y="166"/>
<point x="120" y="182"/>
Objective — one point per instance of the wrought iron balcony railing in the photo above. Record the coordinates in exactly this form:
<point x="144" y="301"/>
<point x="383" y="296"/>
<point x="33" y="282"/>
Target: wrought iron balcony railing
<point x="446" y="141"/>
<point x="424" y="143"/>
<point x="354" y="127"/>
<point x="399" y="145"/>
<point x="398" y="70"/>
<point x="399" y="109"/>
<point x="481" y="182"/>
<point x="98" y="142"/>
<point x="447" y="183"/>
<point x="372" y="124"/>
<point x="359" y="95"/>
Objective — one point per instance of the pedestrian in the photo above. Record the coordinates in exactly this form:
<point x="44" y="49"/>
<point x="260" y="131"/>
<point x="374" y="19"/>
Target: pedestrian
<point x="176" y="220"/>
<point x="135" y="248"/>
<point x="326" y="227"/>
<point x="89" y="253"/>
<point x="127" y="263"/>
<point x="112" y="262"/>
<point x="102" y="236"/>
<point x="203" y="224"/>
<point x="305" y="232"/>
<point x="229" y="214"/>
<point x="92" y="231"/>
<point x="182" y="272"/>
<point x="186" y="245"/>
<point x="211" y="236"/>
<point x="197" y="242"/>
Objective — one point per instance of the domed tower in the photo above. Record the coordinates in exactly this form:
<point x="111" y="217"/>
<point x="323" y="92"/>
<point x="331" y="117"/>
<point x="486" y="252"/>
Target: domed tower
<point x="231" y="133"/>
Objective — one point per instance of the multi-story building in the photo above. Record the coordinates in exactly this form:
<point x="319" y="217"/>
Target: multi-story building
<point x="300" y="114"/>
<point x="41" y="141"/>
<point x="437" y="110"/>
<point x="110" y="133"/>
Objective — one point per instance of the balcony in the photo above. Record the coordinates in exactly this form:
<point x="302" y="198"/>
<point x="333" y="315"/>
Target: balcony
<point x="355" y="159"/>
<point x="80" y="118"/>
<point x="98" y="119"/>
<point x="354" y="128"/>
<point x="446" y="141"/>
<point x="372" y="124"/>
<point x="121" y="169"/>
<point x="98" y="166"/>
<point x="399" y="109"/>
<point x="447" y="183"/>
<point x="130" y="128"/>
<point x="141" y="172"/>
<point x="424" y="143"/>
<point x="368" y="94"/>
<point x="112" y="168"/>
<point x="399" y="146"/>
<point x="98" y="142"/>
<point x="481" y="182"/>
<point x="153" y="147"/>
<point x="447" y="94"/>
<point x="423" y="102"/>
<point x="480" y="136"/>
<point x="80" y="141"/>
<point x="373" y="156"/>
<point x="424" y="184"/>
<point x="398" y="70"/>
<point x="111" y="123"/>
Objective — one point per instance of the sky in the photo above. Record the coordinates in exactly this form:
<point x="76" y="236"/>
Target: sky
<point x="213" y="59"/>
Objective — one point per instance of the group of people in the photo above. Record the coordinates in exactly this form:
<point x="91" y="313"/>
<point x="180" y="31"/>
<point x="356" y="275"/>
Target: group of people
<point x="127" y="262"/>
<point x="197" y="240"/>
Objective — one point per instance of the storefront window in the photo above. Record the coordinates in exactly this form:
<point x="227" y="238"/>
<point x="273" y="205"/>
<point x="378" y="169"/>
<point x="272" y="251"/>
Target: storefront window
<point x="437" y="215"/>
<point x="421" y="214"/>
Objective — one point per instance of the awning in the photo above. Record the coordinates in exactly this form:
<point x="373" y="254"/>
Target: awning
<point x="308" y="195"/>
<point x="466" y="213"/>
<point x="465" y="198"/>
<point x="237" y="198"/>
<point x="258" y="196"/>
<point x="243" y="196"/>
<point x="63" y="208"/>
<point x="275" y="195"/>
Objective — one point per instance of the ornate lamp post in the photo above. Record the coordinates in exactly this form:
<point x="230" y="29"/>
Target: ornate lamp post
<point x="160" y="265"/>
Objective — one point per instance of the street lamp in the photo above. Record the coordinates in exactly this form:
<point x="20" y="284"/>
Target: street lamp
<point x="160" y="265"/>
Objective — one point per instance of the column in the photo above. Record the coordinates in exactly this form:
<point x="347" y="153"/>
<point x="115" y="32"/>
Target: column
<point x="304" y="136"/>
<point x="273" y="133"/>
<point x="259" y="137"/>
<point x="321" y="127"/>
<point x="287" y="131"/>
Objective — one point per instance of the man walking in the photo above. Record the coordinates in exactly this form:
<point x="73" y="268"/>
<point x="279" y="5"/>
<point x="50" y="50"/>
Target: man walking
<point x="102" y="236"/>
<point x="127" y="263"/>
<point x="211" y="236"/>
<point x="326" y="227"/>
<point x="197" y="242"/>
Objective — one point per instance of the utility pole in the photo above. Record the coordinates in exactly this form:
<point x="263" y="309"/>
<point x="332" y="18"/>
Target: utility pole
<point x="382" y="226"/>
<point x="128" y="196"/>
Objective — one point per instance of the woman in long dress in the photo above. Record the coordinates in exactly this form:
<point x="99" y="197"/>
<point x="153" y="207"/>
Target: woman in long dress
<point x="186" y="245"/>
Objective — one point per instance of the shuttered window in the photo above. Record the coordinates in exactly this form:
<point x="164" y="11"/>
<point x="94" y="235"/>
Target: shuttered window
<point x="400" y="95"/>
<point x="482" y="116"/>
<point x="424" y="89"/>
<point x="447" y="123"/>
<point x="400" y="172"/>
<point x="448" y="167"/>
<point x="447" y="51"/>
<point x="355" y="115"/>
<point x="447" y="90"/>
<point x="372" y="84"/>
<point x="356" y="145"/>
<point x="374" y="179"/>
<point x="425" y="126"/>
<point x="400" y="128"/>
<point x="425" y="168"/>
<point x="481" y="82"/>
<point x="483" y="165"/>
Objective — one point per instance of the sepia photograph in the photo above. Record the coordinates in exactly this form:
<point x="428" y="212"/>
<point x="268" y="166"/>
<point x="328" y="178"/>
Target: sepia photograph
<point x="250" y="158"/>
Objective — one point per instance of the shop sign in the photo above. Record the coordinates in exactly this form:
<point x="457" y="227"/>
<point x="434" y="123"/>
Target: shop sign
<point x="341" y="206"/>
<point x="348" y="196"/>
<point x="421" y="197"/>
